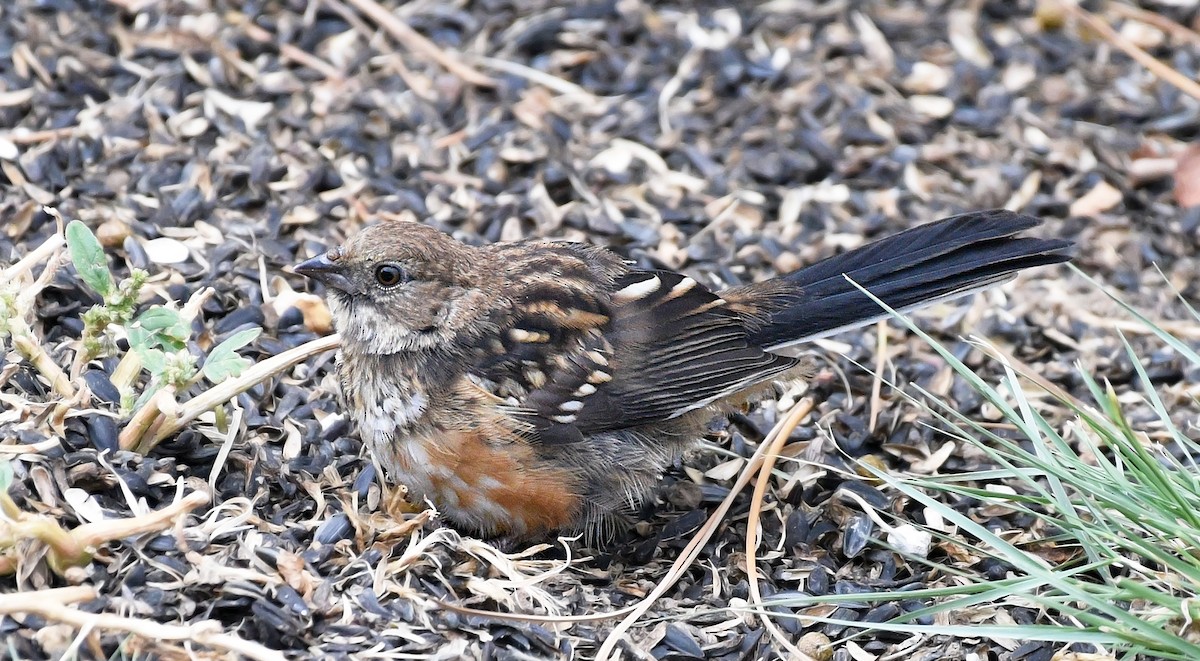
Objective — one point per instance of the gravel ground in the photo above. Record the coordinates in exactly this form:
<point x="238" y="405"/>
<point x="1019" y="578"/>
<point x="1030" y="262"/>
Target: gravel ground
<point x="214" y="144"/>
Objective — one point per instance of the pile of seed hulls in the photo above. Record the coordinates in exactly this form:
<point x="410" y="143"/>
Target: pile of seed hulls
<point x="211" y="146"/>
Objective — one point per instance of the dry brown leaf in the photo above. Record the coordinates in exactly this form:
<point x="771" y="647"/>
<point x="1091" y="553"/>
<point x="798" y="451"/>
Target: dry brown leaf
<point x="291" y="567"/>
<point x="1101" y="198"/>
<point x="1187" y="177"/>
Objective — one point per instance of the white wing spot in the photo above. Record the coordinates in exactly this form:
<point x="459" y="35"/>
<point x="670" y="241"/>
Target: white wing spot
<point x="571" y="405"/>
<point x="597" y="358"/>
<point x="563" y="419"/>
<point x="535" y="378"/>
<point x="522" y="335"/>
<point x="585" y="390"/>
<point x="599" y="377"/>
<point x="683" y="287"/>
<point x="637" y="290"/>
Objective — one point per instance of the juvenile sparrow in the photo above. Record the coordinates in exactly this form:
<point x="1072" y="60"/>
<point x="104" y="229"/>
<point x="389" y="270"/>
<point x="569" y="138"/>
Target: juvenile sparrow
<point x="535" y="387"/>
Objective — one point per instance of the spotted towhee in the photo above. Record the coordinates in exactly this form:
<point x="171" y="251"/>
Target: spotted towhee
<point x="540" y="386"/>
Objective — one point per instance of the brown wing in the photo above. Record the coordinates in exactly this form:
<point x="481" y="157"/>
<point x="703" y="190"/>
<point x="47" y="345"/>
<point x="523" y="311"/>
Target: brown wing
<point x="643" y="347"/>
<point x="677" y="348"/>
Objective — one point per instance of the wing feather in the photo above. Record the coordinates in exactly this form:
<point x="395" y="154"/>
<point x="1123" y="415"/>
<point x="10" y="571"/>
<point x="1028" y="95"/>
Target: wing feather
<point x="644" y="347"/>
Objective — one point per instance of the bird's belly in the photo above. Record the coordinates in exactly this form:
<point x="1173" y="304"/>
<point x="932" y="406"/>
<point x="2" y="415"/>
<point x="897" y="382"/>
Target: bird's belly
<point x="487" y="486"/>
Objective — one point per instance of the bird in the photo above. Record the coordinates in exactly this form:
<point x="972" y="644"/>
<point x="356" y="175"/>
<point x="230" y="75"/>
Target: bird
<point x="540" y="387"/>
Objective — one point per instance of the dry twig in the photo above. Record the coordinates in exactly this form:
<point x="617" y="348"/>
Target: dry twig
<point x="692" y="550"/>
<point x="1163" y="71"/>
<point x="225" y="391"/>
<point x="69" y="548"/>
<point x="290" y="52"/>
<point x="416" y="42"/>
<point x="1180" y="32"/>
<point x="877" y="382"/>
<point x="781" y="434"/>
<point x="207" y="633"/>
<point x="52" y="246"/>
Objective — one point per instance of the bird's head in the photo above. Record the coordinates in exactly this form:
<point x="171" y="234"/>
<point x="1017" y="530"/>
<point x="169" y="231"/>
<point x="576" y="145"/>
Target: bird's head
<point x="400" y="286"/>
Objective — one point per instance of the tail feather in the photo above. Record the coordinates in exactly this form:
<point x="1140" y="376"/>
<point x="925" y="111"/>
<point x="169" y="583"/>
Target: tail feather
<point x="920" y="266"/>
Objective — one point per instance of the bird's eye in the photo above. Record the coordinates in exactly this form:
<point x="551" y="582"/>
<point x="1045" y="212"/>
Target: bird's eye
<point x="389" y="275"/>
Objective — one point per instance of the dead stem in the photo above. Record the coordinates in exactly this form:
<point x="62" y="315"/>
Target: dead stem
<point x="127" y="371"/>
<point x="16" y="526"/>
<point x="67" y="595"/>
<point x="51" y="246"/>
<point x="207" y="633"/>
<point x="417" y="43"/>
<point x="290" y="52"/>
<point x="255" y="374"/>
<point x="549" y="81"/>
<point x="1181" y="32"/>
<point x="802" y="409"/>
<point x="1024" y="369"/>
<point x="1163" y="71"/>
<point x="137" y="427"/>
<point x="29" y="448"/>
<point x="877" y="402"/>
<point x="23" y="339"/>
<point x="101" y="532"/>
<point x="692" y="550"/>
<point x="71" y="548"/>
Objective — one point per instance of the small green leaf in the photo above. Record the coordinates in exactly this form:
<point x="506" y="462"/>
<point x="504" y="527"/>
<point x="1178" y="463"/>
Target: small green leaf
<point x="139" y="338"/>
<point x="88" y="256"/>
<point x="153" y="360"/>
<point x="166" y="325"/>
<point x="228" y="366"/>
<point x="223" y="361"/>
<point x="158" y="319"/>
<point x="6" y="475"/>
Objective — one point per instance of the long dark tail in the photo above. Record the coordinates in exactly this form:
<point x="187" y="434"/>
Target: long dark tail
<point x="945" y="259"/>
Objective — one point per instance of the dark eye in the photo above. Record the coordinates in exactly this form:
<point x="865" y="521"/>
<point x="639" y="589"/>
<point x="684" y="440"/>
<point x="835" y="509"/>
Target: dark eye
<point x="389" y="275"/>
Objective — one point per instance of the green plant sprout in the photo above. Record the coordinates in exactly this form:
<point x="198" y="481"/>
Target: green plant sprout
<point x="159" y="345"/>
<point x="120" y="301"/>
<point x="159" y="342"/>
<point x="158" y="336"/>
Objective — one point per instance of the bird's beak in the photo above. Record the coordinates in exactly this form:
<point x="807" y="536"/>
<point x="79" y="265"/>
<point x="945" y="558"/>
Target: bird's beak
<point x="325" y="270"/>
